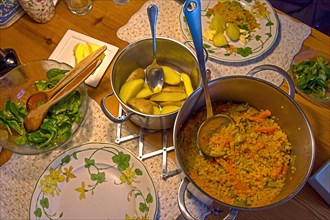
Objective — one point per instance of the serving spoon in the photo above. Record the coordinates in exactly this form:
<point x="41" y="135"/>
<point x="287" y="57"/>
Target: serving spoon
<point x="43" y="96"/>
<point x="192" y="11"/>
<point x="34" y="118"/>
<point x="154" y="72"/>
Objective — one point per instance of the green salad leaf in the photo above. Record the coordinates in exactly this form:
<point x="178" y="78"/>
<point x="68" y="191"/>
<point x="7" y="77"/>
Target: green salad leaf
<point x="313" y="76"/>
<point x="56" y="126"/>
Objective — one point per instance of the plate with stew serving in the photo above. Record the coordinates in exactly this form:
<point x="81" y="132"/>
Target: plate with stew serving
<point x="95" y="181"/>
<point x="255" y="38"/>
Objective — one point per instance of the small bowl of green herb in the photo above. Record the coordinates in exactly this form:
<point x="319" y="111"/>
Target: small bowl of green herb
<point x="310" y="71"/>
<point x="62" y="121"/>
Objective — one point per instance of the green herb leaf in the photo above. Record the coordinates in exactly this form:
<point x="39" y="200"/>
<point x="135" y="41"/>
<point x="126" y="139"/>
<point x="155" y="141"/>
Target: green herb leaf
<point x="312" y="76"/>
<point x="122" y="160"/>
<point x="44" y="203"/>
<point x="98" y="177"/>
<point x="66" y="159"/>
<point x="89" y="162"/>
<point x="143" y="207"/>
<point x="269" y="23"/>
<point x="55" y="72"/>
<point x="38" y="212"/>
<point x="149" y="198"/>
<point x="138" y="172"/>
<point x="244" y="52"/>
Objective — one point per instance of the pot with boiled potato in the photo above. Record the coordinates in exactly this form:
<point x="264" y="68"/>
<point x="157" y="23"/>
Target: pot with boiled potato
<point x="144" y="107"/>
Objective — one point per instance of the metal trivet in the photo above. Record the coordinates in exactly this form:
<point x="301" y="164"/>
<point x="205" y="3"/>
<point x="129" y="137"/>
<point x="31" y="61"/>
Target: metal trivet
<point x="141" y="155"/>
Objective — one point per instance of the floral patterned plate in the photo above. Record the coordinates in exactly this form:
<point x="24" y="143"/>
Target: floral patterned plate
<point x="259" y="43"/>
<point x="95" y="181"/>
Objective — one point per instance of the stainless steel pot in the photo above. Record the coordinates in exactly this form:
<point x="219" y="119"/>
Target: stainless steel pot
<point x="139" y="54"/>
<point x="262" y="95"/>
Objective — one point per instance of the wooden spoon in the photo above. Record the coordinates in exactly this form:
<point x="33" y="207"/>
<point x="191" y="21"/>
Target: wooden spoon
<point x="35" y="117"/>
<point x="43" y="96"/>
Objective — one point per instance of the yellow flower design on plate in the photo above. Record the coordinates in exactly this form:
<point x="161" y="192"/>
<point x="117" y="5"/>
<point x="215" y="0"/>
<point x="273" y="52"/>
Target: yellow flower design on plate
<point x="82" y="191"/>
<point x="261" y="9"/>
<point x="68" y="174"/>
<point x="49" y="183"/>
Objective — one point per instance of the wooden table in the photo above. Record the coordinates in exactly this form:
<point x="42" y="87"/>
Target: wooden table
<point x="34" y="41"/>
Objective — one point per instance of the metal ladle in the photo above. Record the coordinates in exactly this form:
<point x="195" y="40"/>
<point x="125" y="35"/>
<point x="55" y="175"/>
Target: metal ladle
<point x="192" y="11"/>
<point x="154" y="72"/>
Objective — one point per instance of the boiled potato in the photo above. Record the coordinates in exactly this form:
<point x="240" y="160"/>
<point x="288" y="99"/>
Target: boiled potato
<point x="169" y="108"/>
<point x="171" y="76"/>
<point x="173" y="89"/>
<point x="141" y="105"/>
<point x="219" y="40"/>
<point x="175" y="103"/>
<point x="232" y="32"/>
<point x="156" y="110"/>
<point x="218" y="23"/>
<point x="130" y="88"/>
<point x="136" y="74"/>
<point x="136" y="93"/>
<point x="145" y="92"/>
<point x="187" y="83"/>
<point x="168" y="96"/>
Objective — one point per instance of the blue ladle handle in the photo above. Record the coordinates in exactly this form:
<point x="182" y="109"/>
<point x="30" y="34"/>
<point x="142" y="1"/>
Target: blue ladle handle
<point x="152" y="15"/>
<point x="192" y="11"/>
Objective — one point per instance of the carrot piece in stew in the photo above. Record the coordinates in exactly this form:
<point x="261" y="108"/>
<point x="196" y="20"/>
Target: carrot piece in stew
<point x="227" y="166"/>
<point x="261" y="117"/>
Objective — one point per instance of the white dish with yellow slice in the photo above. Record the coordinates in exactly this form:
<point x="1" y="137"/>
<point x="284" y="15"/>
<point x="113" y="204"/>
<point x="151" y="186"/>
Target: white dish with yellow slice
<point x="75" y="46"/>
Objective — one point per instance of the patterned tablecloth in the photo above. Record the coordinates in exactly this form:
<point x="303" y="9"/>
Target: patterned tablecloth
<point x="19" y="176"/>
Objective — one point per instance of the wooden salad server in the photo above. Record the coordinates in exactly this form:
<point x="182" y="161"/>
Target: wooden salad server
<point x="43" y="96"/>
<point x="35" y="117"/>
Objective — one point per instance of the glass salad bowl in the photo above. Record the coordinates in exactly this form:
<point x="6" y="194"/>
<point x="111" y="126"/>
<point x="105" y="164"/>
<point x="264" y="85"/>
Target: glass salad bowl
<point x="310" y="71"/>
<point x="62" y="121"/>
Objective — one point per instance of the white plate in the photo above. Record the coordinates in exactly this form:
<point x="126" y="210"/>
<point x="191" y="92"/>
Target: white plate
<point x="64" y="53"/>
<point x="262" y="40"/>
<point x="95" y="181"/>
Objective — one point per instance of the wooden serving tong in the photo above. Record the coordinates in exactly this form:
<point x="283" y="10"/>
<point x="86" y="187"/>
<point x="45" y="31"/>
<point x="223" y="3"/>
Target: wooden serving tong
<point x="73" y="79"/>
